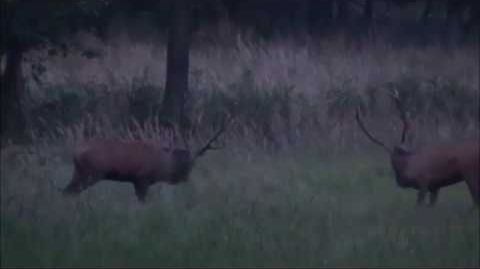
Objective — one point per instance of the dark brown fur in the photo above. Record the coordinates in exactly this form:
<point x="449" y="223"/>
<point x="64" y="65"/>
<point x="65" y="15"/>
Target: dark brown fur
<point x="138" y="162"/>
<point x="434" y="167"/>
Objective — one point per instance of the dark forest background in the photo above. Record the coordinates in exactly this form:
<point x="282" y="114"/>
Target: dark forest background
<point x="51" y="26"/>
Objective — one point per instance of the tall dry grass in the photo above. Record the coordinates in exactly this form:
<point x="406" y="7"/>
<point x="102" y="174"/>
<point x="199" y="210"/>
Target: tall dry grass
<point x="311" y="67"/>
<point x="320" y="81"/>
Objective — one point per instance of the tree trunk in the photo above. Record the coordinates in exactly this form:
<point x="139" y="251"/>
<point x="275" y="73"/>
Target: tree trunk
<point x="319" y="15"/>
<point x="453" y="21"/>
<point x="472" y="24"/>
<point x="426" y="12"/>
<point x="369" y="23"/>
<point x="13" y="118"/>
<point x="343" y="15"/>
<point x="176" y="87"/>
<point x="368" y="12"/>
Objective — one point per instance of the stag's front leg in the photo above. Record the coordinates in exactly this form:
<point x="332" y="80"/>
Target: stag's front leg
<point x="422" y="192"/>
<point x="79" y="183"/>
<point x="433" y="197"/>
<point x="141" y="189"/>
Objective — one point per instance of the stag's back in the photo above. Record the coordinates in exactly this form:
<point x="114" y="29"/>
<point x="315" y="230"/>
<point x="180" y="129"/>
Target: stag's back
<point x="122" y="157"/>
<point x="445" y="161"/>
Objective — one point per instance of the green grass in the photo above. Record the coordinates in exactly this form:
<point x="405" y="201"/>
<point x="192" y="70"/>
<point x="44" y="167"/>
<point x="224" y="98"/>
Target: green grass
<point x="293" y="208"/>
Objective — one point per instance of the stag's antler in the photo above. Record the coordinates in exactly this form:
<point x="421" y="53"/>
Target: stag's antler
<point x="371" y="137"/>
<point x="403" y="115"/>
<point x="208" y="145"/>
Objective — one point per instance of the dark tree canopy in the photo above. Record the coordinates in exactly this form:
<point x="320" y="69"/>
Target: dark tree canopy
<point x="29" y="24"/>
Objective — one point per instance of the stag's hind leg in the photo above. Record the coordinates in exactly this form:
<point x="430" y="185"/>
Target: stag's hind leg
<point x="74" y="186"/>
<point x="79" y="183"/>
<point x="473" y="183"/>
<point x="141" y="189"/>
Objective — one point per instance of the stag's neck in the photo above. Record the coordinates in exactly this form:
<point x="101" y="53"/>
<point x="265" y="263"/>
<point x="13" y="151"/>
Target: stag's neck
<point x="400" y="166"/>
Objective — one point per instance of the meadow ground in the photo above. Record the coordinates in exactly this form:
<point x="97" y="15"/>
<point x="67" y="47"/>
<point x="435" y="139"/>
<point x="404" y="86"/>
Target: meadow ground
<point x="242" y="207"/>
<point x="325" y="201"/>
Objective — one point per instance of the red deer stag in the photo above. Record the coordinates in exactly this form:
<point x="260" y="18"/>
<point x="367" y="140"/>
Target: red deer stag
<point x="434" y="167"/>
<point x="137" y="162"/>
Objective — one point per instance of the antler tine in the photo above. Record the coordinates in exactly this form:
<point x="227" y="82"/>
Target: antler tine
<point x="403" y="114"/>
<point x="362" y="127"/>
<point x="208" y="145"/>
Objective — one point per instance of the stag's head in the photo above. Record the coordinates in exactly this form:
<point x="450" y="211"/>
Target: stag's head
<point x="399" y="153"/>
<point x="401" y="149"/>
<point x="184" y="159"/>
<point x="183" y="165"/>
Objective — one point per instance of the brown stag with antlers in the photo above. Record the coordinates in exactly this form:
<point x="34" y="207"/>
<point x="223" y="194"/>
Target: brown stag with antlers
<point x="431" y="168"/>
<point x="138" y="162"/>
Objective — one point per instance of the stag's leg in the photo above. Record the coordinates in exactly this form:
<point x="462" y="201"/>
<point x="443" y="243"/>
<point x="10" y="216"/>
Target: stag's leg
<point x="74" y="187"/>
<point x="141" y="189"/>
<point x="422" y="192"/>
<point x="473" y="183"/>
<point x="79" y="183"/>
<point x="433" y="197"/>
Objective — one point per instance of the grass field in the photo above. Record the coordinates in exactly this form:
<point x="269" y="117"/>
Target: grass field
<point x="241" y="208"/>
<point x="324" y="198"/>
